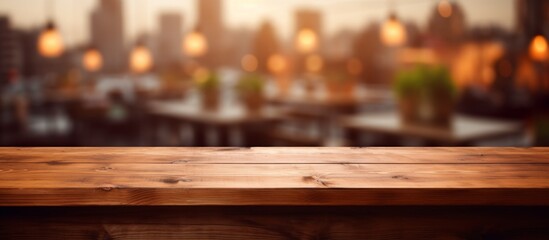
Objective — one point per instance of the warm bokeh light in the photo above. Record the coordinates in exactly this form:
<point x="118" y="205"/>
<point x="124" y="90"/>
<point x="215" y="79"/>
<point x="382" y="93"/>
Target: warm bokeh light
<point x="92" y="60"/>
<point x="50" y="43"/>
<point x="314" y="63"/>
<point x="140" y="59"/>
<point x="474" y="64"/>
<point x="538" y="48"/>
<point x="393" y="32"/>
<point x="445" y="8"/>
<point x="306" y="41"/>
<point x="354" y="66"/>
<point x="249" y="63"/>
<point x="195" y="44"/>
<point x="277" y="64"/>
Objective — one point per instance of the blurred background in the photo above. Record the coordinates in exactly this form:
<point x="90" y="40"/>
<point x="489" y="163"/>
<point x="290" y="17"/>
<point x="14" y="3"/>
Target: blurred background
<point x="274" y="73"/>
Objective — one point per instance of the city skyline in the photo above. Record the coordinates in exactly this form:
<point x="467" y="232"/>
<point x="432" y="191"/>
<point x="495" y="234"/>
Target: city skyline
<point x="358" y="13"/>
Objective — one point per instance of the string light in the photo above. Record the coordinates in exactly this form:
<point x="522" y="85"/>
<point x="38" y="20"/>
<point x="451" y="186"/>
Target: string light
<point x="538" y="48"/>
<point x="92" y="60"/>
<point x="195" y="44"/>
<point x="277" y="64"/>
<point x="140" y="59"/>
<point x="50" y="43"/>
<point x="393" y="32"/>
<point x="306" y="41"/>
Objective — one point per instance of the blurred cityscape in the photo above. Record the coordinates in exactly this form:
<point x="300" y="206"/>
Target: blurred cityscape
<point x="391" y="82"/>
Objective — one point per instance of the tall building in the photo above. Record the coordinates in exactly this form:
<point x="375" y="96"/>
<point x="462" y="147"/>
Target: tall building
<point x="107" y="34"/>
<point x="169" y="39"/>
<point x="308" y="19"/>
<point x="265" y="44"/>
<point x="210" y="23"/>
<point x="451" y="29"/>
<point x="9" y="55"/>
<point x="532" y="17"/>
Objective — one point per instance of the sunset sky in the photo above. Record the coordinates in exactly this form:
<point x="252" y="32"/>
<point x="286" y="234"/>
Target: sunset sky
<point x="72" y="16"/>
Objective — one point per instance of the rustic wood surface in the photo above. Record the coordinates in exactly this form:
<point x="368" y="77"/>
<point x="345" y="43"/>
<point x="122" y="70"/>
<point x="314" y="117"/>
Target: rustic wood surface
<point x="273" y="176"/>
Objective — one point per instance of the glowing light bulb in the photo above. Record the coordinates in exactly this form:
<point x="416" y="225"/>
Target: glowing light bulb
<point x="444" y="8"/>
<point x="249" y="63"/>
<point x="50" y="43"/>
<point x="392" y="32"/>
<point x="195" y="44"/>
<point x="538" y="48"/>
<point x="314" y="63"/>
<point x="277" y="64"/>
<point x="140" y="59"/>
<point x="306" y="41"/>
<point x="92" y="60"/>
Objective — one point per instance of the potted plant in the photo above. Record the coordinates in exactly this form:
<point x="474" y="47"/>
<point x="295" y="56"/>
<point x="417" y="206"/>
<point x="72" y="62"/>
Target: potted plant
<point x="339" y="84"/>
<point x="426" y="95"/>
<point x="208" y="85"/>
<point x="250" y="88"/>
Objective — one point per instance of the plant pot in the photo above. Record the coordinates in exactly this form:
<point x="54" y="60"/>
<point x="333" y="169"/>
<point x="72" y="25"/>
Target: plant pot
<point x="427" y="111"/>
<point x="253" y="101"/>
<point x="409" y="109"/>
<point x="443" y="108"/>
<point x="210" y="99"/>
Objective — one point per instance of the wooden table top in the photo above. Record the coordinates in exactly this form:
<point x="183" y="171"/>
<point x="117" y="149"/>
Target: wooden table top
<point x="465" y="128"/>
<point x="187" y="111"/>
<point x="318" y="100"/>
<point x="273" y="176"/>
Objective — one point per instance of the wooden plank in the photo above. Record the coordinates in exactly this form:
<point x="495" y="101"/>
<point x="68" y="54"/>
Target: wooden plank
<point x="273" y="176"/>
<point x="274" y="223"/>
<point x="281" y="176"/>
<point x="290" y="155"/>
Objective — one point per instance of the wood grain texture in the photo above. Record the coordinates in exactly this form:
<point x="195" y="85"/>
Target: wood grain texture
<point x="273" y="176"/>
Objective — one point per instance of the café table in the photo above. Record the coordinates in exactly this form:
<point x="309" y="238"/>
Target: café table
<point x="464" y="130"/>
<point x="274" y="193"/>
<point x="222" y="119"/>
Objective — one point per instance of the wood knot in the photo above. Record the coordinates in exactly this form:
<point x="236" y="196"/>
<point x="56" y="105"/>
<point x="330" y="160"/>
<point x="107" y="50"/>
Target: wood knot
<point x="317" y="179"/>
<point x="400" y="177"/>
<point x="106" y="168"/>
<point x="57" y="163"/>
<point x="233" y="149"/>
<point x="175" y="180"/>
<point x="180" y="161"/>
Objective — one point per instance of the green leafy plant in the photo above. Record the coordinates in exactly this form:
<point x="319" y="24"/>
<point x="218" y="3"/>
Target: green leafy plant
<point x="251" y="83"/>
<point x="426" y="81"/>
<point x="207" y="81"/>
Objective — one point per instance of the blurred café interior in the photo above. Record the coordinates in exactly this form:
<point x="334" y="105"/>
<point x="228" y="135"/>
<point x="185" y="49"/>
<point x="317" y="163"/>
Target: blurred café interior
<point x="274" y="73"/>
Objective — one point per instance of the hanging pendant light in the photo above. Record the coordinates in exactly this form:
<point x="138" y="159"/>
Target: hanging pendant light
<point x="539" y="49"/>
<point x="393" y="32"/>
<point x="445" y="8"/>
<point x="306" y="41"/>
<point x="141" y="59"/>
<point x="50" y="43"/>
<point x="195" y="44"/>
<point x="92" y="60"/>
